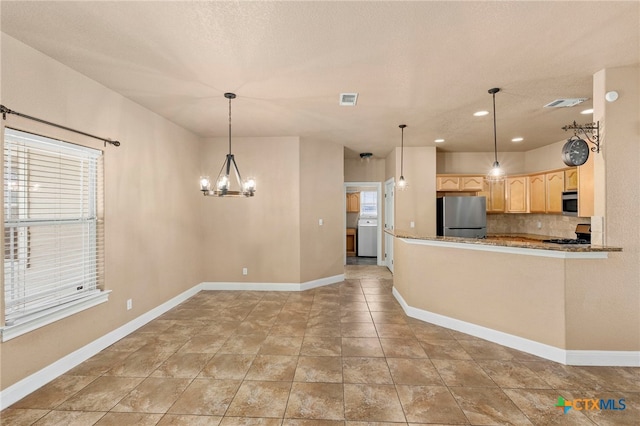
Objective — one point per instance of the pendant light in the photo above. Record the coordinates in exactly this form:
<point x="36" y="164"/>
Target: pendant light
<point x="402" y="184"/>
<point x="496" y="173"/>
<point x="223" y="186"/>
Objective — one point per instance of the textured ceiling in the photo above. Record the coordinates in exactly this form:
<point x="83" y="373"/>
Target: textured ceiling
<point x="426" y="64"/>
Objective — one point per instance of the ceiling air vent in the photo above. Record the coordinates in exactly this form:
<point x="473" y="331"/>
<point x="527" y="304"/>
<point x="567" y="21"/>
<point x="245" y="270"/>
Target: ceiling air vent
<point x="348" y="99"/>
<point x="568" y="102"/>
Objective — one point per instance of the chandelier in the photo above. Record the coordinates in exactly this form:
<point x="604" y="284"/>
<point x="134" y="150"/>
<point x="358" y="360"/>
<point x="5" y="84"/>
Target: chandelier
<point x="224" y="186"/>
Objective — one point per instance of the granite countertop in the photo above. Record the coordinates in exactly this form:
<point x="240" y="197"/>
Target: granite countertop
<point x="528" y="241"/>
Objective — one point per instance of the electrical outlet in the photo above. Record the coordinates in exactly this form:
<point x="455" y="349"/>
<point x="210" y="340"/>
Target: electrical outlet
<point x="245" y="271"/>
<point x="412" y="224"/>
<point x="129" y="304"/>
<point x="539" y="225"/>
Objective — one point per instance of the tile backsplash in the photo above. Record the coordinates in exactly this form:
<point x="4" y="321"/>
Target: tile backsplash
<point x="550" y="224"/>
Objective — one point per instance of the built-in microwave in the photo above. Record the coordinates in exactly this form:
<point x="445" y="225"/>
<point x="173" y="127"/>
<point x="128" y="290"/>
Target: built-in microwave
<point x="570" y="203"/>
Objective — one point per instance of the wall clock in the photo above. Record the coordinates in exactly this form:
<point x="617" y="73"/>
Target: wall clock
<point x="575" y="152"/>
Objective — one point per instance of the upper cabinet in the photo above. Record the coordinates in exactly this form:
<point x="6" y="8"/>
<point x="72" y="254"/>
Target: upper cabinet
<point x="353" y="202"/>
<point x="554" y="186"/>
<point x="453" y="183"/>
<point x="545" y="192"/>
<point x="448" y="183"/>
<point x="493" y="191"/>
<point x="571" y="179"/>
<point x="471" y="183"/>
<point x="517" y="194"/>
<point x="537" y="194"/>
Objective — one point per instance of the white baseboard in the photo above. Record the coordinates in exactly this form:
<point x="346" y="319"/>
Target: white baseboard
<point x="604" y="358"/>
<point x="247" y="286"/>
<point x="563" y="356"/>
<point x="40" y="378"/>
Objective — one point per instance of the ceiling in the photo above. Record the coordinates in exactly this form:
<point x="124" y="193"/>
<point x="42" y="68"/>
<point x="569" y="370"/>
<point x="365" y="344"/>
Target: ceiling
<point x="426" y="64"/>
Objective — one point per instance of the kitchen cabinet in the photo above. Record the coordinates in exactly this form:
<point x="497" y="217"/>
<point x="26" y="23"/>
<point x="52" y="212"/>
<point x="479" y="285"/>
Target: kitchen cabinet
<point x="493" y="191"/>
<point x="517" y="200"/>
<point x="537" y="194"/>
<point x="447" y="183"/>
<point x="471" y="183"/>
<point x="554" y="183"/>
<point x="353" y="202"/>
<point x="351" y="242"/>
<point x="571" y="179"/>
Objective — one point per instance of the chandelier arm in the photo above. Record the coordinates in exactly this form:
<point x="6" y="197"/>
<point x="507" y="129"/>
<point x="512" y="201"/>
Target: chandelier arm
<point x="235" y="166"/>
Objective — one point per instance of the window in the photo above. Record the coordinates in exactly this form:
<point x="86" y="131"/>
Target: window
<point x="53" y="242"/>
<point x="369" y="203"/>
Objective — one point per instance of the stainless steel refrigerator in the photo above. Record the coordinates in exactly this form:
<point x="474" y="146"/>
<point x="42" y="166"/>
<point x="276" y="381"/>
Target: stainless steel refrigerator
<point x="462" y="217"/>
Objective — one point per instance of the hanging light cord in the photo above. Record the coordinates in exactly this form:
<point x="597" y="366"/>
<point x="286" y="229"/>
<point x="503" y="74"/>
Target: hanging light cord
<point x="402" y="151"/>
<point x="495" y="137"/>
<point x="230" y="122"/>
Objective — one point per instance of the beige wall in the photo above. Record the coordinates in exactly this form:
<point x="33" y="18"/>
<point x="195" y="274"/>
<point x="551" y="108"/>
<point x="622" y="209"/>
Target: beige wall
<point x="479" y="162"/>
<point x="616" y="288"/>
<point x="321" y="197"/>
<point x="357" y="170"/>
<point x="416" y="203"/>
<point x="275" y="235"/>
<point x="512" y="293"/>
<point x="261" y="233"/>
<point x="152" y="210"/>
<point x="545" y="158"/>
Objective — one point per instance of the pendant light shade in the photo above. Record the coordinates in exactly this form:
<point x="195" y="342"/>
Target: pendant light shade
<point x="226" y="186"/>
<point x="496" y="173"/>
<point x="402" y="183"/>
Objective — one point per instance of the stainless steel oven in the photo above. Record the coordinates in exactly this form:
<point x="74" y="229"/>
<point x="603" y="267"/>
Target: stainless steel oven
<point x="570" y="203"/>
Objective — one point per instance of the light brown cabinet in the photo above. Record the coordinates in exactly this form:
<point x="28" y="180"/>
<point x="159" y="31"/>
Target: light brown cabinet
<point x="537" y="194"/>
<point x="493" y="191"/>
<point x="351" y="242"/>
<point x="472" y="183"/>
<point x="545" y="192"/>
<point x="447" y="183"/>
<point x="517" y="198"/>
<point x="554" y="186"/>
<point x="353" y="202"/>
<point x="571" y="179"/>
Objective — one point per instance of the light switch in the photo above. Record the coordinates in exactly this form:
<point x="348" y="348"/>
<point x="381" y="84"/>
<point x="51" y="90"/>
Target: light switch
<point x="320" y="222"/>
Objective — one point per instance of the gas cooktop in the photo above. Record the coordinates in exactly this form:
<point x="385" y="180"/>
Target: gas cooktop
<point x="567" y="241"/>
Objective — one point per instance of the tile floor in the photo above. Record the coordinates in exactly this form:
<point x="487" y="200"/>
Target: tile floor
<point x="343" y="354"/>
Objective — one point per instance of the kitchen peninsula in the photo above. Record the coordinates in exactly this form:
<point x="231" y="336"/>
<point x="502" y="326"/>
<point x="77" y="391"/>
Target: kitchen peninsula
<point x="536" y="297"/>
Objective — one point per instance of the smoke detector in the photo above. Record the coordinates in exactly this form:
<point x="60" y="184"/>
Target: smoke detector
<point x="348" y="99"/>
<point x="566" y="102"/>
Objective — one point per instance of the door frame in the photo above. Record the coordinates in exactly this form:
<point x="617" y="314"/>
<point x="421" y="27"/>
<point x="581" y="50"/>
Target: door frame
<point x="390" y="220"/>
<point x="375" y="186"/>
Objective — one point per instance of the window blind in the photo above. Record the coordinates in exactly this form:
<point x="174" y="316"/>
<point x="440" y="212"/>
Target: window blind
<point x="53" y="228"/>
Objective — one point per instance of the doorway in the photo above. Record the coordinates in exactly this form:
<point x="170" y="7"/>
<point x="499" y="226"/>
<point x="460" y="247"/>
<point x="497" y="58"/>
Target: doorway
<point x="389" y="200"/>
<point x="373" y="237"/>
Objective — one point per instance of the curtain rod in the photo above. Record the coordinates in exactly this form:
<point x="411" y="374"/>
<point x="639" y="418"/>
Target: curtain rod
<point x="4" y="111"/>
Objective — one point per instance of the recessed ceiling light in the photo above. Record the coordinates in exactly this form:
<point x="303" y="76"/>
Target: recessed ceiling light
<point x="587" y="111"/>
<point x="481" y="113"/>
<point x="518" y="139"/>
<point x="439" y="140"/>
